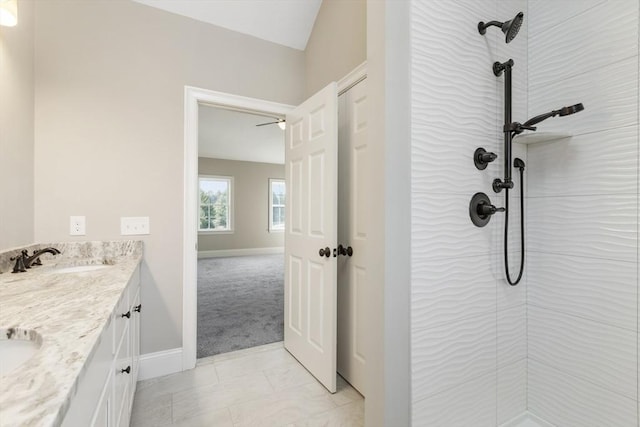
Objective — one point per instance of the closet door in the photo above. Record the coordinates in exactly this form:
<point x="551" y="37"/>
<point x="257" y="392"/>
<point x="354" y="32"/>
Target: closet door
<point x="354" y="222"/>
<point x="311" y="234"/>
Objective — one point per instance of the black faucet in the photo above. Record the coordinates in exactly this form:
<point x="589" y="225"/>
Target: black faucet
<point x="24" y="261"/>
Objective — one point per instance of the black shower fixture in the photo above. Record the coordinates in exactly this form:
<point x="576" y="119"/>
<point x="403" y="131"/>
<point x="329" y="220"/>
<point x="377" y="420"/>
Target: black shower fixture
<point x="518" y="128"/>
<point x="482" y="158"/>
<point x="511" y="129"/>
<point x="509" y="28"/>
<point x="481" y="209"/>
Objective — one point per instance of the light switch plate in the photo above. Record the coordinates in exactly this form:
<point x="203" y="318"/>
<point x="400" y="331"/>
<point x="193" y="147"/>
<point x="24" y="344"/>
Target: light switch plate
<point x="134" y="225"/>
<point x="77" y="226"/>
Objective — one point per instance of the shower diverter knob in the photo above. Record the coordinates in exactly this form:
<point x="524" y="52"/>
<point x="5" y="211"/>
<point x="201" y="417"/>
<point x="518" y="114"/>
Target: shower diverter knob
<point x="481" y="158"/>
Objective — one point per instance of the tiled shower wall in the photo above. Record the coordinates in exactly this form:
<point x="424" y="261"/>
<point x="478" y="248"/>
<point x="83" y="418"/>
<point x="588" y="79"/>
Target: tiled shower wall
<point x="468" y="342"/>
<point x="582" y="270"/>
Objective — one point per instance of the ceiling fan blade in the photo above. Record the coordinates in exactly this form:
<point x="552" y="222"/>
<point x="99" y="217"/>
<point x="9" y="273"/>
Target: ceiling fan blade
<point x="269" y="123"/>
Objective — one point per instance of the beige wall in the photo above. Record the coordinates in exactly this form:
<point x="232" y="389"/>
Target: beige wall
<point x="110" y="80"/>
<point x="16" y="130"/>
<point x="250" y="204"/>
<point x="338" y="42"/>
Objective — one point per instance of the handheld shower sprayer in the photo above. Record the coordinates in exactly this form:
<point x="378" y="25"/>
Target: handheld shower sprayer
<point x="509" y="28"/>
<point x="518" y="128"/>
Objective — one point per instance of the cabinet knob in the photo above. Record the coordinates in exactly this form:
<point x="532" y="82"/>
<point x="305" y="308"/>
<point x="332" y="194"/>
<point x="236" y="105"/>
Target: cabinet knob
<point x="127" y="314"/>
<point x="137" y="308"/>
<point x="126" y="370"/>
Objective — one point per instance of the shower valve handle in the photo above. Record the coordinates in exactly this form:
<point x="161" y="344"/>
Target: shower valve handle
<point x="481" y="209"/>
<point x="485" y="209"/>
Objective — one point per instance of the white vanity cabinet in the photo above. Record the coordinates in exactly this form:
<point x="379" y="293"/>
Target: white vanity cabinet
<point x="105" y="392"/>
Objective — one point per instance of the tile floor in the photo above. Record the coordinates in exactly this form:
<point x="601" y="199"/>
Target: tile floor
<point x="258" y="387"/>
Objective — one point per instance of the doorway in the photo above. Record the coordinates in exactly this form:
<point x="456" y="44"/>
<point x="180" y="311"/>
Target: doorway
<point x="193" y="98"/>
<point x="242" y="198"/>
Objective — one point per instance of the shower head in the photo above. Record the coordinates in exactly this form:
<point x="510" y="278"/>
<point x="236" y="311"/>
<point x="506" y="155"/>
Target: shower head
<point x="509" y="28"/>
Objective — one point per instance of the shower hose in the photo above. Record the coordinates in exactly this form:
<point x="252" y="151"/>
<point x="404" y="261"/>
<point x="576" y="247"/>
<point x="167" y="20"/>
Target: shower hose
<point x="506" y="232"/>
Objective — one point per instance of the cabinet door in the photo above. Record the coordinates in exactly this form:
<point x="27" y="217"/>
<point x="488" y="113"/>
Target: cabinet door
<point x="122" y="379"/>
<point x="104" y="412"/>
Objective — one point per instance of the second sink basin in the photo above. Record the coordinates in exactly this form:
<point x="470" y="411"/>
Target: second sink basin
<point x="17" y="350"/>
<point x="80" y="268"/>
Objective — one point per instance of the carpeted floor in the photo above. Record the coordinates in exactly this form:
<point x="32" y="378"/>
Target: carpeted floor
<point x="240" y="303"/>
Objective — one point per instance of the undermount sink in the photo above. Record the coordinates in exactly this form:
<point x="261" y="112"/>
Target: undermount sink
<point x="16" y="347"/>
<point x="80" y="268"/>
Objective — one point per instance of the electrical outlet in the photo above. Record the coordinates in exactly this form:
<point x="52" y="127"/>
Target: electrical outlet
<point x="77" y="226"/>
<point x="134" y="225"/>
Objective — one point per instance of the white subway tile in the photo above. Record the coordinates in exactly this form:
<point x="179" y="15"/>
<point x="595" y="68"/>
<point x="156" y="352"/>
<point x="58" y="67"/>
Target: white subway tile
<point x="609" y="95"/>
<point x="595" y="352"/>
<point x="451" y="354"/>
<point x="602" y="35"/>
<point x="447" y="290"/>
<point x="512" y="335"/>
<point x="598" y="289"/>
<point x="545" y="14"/>
<point x="441" y="228"/>
<point x="470" y="404"/>
<point x="512" y="391"/>
<point x="591" y="226"/>
<point x="595" y="163"/>
<point x="567" y="401"/>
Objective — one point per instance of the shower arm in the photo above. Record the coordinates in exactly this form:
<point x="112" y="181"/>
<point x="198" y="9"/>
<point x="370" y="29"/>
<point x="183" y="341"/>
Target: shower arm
<point x="482" y="26"/>
<point x="498" y="69"/>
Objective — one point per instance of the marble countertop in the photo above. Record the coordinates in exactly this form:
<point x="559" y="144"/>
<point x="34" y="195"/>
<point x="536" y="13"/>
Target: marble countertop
<point x="67" y="312"/>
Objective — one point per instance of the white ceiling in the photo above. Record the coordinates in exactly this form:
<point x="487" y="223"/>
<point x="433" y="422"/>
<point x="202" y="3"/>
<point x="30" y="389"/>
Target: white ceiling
<point x="286" y="22"/>
<point x="233" y="135"/>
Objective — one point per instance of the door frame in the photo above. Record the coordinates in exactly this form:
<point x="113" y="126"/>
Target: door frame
<point x="193" y="97"/>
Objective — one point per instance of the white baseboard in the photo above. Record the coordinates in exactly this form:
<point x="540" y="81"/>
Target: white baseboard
<point x="161" y="363"/>
<point x="240" y="252"/>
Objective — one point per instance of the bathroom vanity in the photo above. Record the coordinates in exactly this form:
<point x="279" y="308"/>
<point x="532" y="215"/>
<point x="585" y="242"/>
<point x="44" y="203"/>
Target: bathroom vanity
<point x="81" y="312"/>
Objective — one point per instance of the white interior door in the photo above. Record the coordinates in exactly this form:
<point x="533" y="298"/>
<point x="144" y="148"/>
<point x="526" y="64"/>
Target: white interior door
<point x="311" y="225"/>
<point x="353" y="220"/>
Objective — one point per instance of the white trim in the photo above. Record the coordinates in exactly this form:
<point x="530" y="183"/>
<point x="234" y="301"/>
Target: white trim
<point x="161" y="363"/>
<point x="355" y="76"/>
<point x="192" y="97"/>
<point x="240" y="252"/>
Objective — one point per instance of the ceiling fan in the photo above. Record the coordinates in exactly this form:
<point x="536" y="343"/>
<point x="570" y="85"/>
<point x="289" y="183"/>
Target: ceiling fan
<point x="282" y="123"/>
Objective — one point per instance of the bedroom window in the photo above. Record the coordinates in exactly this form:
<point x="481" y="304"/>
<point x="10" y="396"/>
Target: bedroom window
<point x="216" y="204"/>
<point x="277" y="198"/>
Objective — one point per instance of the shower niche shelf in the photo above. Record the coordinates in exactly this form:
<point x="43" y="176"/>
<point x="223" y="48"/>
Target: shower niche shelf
<point x="535" y="137"/>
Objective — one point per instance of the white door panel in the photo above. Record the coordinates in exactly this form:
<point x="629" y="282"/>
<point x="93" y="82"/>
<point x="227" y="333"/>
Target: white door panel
<point x="354" y="223"/>
<point x="311" y="224"/>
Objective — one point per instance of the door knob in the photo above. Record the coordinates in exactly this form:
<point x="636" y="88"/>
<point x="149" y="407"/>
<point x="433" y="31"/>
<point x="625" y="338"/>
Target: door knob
<point x="325" y="252"/>
<point x="348" y="251"/>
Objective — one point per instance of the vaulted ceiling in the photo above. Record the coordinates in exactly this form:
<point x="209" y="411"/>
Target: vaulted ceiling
<point x="286" y="22"/>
